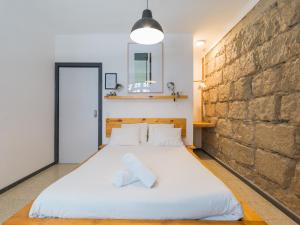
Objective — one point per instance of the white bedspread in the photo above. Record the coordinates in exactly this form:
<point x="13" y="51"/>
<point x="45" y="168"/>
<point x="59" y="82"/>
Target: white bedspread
<point x="185" y="189"/>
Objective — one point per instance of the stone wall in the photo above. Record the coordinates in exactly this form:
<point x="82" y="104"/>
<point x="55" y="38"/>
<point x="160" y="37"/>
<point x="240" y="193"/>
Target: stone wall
<point x="253" y="95"/>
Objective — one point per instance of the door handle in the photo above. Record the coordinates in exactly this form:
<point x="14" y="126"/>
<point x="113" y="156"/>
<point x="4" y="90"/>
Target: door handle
<point x="95" y="113"/>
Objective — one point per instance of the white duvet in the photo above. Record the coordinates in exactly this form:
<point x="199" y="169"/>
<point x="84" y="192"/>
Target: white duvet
<point x="185" y="189"/>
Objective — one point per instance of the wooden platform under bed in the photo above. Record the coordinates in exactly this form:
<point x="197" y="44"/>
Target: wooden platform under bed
<point x="21" y="218"/>
<point x="250" y="217"/>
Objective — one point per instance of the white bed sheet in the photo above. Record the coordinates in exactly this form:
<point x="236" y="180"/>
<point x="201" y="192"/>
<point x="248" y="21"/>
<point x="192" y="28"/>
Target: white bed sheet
<point x="185" y="189"/>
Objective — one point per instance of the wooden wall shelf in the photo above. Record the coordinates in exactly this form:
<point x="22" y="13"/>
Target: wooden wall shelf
<point x="141" y="97"/>
<point x="203" y="124"/>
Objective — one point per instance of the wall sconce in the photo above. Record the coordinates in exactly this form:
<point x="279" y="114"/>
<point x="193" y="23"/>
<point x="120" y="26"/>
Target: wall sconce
<point x="201" y="84"/>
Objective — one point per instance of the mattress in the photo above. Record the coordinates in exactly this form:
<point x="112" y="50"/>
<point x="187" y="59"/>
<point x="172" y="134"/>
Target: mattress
<point x="185" y="189"/>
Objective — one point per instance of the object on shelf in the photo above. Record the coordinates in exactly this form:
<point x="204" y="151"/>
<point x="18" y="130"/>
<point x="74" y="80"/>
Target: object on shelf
<point x="172" y="87"/>
<point x="111" y="93"/>
<point x="119" y="87"/>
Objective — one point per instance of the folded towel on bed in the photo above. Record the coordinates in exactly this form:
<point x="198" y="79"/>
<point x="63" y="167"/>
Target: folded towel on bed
<point x="139" y="170"/>
<point x="123" y="178"/>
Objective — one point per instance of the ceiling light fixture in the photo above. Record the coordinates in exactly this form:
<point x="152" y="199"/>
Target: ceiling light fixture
<point x="147" y="31"/>
<point x="200" y="43"/>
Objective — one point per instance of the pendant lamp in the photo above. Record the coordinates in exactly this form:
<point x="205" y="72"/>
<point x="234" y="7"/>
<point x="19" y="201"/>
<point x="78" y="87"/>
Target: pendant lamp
<point x="147" y="31"/>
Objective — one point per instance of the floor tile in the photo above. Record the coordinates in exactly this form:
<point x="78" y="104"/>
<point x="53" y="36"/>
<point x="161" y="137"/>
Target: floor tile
<point x="16" y="198"/>
<point x="281" y="222"/>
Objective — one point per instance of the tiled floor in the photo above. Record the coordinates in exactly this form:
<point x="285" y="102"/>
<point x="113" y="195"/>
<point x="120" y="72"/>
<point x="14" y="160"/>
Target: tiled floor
<point x="16" y="198"/>
<point x="266" y="210"/>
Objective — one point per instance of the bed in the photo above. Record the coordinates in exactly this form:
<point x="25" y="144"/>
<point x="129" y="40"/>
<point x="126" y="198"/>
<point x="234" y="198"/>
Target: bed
<point x="186" y="192"/>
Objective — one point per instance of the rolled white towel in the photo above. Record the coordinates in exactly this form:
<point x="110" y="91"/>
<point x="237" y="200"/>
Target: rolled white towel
<point x="139" y="170"/>
<point x="123" y="178"/>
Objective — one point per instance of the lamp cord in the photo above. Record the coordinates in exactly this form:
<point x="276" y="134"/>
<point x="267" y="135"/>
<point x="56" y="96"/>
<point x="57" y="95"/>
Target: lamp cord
<point x="147" y="4"/>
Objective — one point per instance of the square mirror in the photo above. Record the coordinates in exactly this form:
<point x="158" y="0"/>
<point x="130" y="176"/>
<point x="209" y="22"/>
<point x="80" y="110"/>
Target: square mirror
<point x="145" y="72"/>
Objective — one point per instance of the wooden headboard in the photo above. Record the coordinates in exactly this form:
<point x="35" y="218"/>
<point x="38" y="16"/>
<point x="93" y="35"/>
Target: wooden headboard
<point x="117" y="122"/>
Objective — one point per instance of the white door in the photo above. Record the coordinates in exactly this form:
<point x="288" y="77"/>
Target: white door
<point x="78" y="114"/>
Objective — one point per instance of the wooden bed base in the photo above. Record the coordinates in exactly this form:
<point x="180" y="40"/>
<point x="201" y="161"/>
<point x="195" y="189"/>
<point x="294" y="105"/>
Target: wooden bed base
<point x="21" y="217"/>
<point x="250" y="217"/>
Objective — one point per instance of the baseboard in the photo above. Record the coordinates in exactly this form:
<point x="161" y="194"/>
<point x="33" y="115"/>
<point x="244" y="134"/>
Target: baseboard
<point x="25" y="178"/>
<point x="267" y="196"/>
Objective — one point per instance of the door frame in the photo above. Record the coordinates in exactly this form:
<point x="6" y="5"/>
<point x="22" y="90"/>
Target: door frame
<point x="56" y="106"/>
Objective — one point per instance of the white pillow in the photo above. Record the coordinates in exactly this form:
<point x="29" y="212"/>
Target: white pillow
<point x="143" y="130"/>
<point x="154" y="129"/>
<point x="168" y="137"/>
<point x="124" y="136"/>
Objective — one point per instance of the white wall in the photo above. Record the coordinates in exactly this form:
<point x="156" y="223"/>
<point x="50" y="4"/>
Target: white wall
<point x="26" y="93"/>
<point x="197" y="75"/>
<point x="197" y="114"/>
<point x="111" y="50"/>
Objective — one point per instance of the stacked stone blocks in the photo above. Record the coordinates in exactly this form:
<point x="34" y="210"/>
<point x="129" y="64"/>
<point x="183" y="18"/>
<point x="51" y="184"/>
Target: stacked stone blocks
<point x="253" y="95"/>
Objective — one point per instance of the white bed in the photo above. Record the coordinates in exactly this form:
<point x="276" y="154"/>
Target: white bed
<point x="185" y="189"/>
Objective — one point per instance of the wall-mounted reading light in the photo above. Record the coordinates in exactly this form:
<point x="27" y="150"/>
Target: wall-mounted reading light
<point x="201" y="84"/>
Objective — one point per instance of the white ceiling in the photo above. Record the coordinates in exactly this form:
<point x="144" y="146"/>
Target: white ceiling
<point x="206" y="19"/>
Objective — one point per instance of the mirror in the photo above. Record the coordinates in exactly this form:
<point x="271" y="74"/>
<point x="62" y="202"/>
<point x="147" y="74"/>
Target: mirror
<point x="145" y="68"/>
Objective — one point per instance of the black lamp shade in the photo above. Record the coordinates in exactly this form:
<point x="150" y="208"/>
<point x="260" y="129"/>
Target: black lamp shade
<point x="147" y="30"/>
